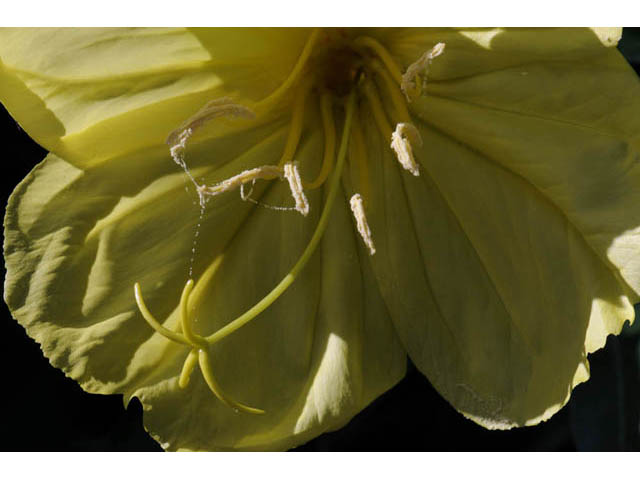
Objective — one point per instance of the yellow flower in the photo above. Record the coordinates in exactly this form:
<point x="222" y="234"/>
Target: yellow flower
<point x="341" y="198"/>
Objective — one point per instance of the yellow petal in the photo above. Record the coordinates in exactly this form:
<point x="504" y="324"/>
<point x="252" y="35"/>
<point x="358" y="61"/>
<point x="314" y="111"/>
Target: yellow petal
<point x="78" y="240"/>
<point x="479" y="50"/>
<point x="75" y="90"/>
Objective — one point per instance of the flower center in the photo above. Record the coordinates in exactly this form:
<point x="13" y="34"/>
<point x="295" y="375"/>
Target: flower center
<point x="338" y="69"/>
<point x="341" y="72"/>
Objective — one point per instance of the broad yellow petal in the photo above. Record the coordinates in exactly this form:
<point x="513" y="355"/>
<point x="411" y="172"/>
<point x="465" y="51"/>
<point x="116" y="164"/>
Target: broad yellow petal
<point x="78" y="240"/>
<point x="522" y="220"/>
<point x="76" y="90"/>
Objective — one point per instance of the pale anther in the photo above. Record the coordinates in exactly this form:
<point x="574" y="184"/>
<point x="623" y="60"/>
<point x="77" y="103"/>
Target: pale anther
<point x="220" y="107"/>
<point x="412" y="84"/>
<point x="265" y="172"/>
<point x="401" y="140"/>
<point x="357" y="207"/>
<point x="295" y="184"/>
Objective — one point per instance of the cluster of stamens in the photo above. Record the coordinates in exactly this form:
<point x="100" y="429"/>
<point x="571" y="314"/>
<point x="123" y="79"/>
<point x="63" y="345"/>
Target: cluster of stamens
<point x="338" y="72"/>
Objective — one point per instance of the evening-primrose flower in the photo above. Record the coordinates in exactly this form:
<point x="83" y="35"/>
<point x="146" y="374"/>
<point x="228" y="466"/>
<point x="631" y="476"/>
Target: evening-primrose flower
<point x="343" y="198"/>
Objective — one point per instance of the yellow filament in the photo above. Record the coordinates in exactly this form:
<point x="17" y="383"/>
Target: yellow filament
<point x="297" y="122"/>
<point x="383" y="54"/>
<point x="395" y="94"/>
<point x="357" y="154"/>
<point x="274" y="97"/>
<point x="146" y="314"/>
<point x="326" y="109"/>
<point x="378" y="111"/>
<point x="187" y="369"/>
<point x="207" y="373"/>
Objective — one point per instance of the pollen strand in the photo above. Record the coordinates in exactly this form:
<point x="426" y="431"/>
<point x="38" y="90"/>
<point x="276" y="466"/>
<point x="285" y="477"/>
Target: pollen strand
<point x="357" y="208"/>
<point x="401" y="139"/>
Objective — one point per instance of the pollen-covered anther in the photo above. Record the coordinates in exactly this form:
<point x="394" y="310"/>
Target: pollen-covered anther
<point x="220" y="107"/>
<point x="414" y="80"/>
<point x="292" y="175"/>
<point x="401" y="140"/>
<point x="357" y="207"/>
<point x="265" y="172"/>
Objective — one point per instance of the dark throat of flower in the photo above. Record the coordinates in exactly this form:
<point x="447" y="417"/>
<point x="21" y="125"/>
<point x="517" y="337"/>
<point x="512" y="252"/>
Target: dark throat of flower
<point x="339" y="69"/>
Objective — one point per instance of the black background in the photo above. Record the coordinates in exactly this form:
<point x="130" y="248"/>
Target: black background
<point x="43" y="410"/>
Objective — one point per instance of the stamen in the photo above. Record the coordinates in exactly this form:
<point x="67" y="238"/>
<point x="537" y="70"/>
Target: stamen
<point x="313" y="243"/>
<point x="265" y="172"/>
<point x="384" y="55"/>
<point x="326" y="109"/>
<point x="361" y="222"/>
<point x="410" y="84"/>
<point x="295" y="184"/>
<point x="297" y="122"/>
<point x="400" y="143"/>
<point x="207" y="373"/>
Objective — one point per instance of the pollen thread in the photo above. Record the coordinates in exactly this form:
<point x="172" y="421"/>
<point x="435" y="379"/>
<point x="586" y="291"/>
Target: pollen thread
<point x="357" y="208"/>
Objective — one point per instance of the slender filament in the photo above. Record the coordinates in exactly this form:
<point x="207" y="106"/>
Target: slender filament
<point x="377" y="109"/>
<point x="357" y="158"/>
<point x="268" y="102"/>
<point x="397" y="99"/>
<point x="326" y="110"/>
<point x="297" y="122"/>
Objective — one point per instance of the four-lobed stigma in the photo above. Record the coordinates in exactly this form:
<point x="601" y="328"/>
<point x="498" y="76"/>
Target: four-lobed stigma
<point x="341" y="70"/>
